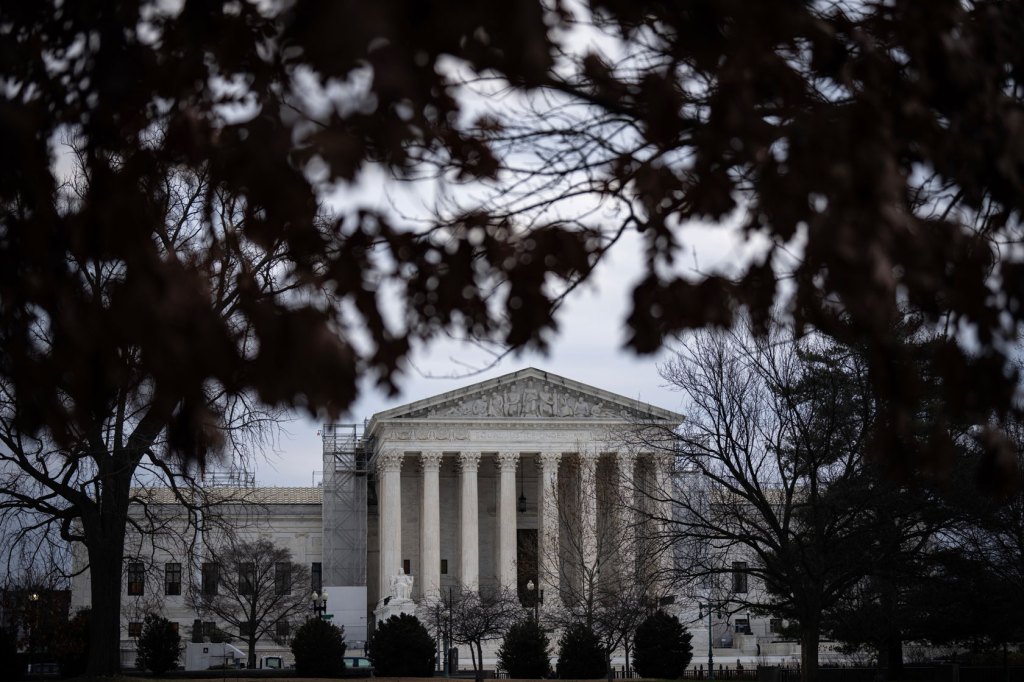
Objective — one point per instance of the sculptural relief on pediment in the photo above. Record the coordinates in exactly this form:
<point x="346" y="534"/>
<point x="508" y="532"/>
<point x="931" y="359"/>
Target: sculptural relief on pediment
<point x="527" y="399"/>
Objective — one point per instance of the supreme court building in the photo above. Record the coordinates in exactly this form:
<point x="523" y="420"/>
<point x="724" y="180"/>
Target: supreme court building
<point x="502" y="483"/>
<point x="469" y="489"/>
<point x="470" y="483"/>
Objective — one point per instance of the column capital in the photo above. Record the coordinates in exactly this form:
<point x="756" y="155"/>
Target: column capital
<point x="469" y="461"/>
<point x="430" y="461"/>
<point x="508" y="460"/>
<point x="390" y="460"/>
<point x="549" y="460"/>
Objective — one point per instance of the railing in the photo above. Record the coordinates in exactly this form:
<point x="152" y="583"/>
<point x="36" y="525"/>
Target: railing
<point x="929" y="673"/>
<point x="722" y="673"/>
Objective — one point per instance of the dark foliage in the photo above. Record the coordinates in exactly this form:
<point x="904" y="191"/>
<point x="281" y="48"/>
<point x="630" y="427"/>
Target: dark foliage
<point x="402" y="647"/>
<point x="580" y="654"/>
<point x="120" y="317"/>
<point x="8" y="653"/>
<point x="524" y="651"/>
<point x="158" y="646"/>
<point x="319" y="647"/>
<point x="661" y="647"/>
<point x="71" y="649"/>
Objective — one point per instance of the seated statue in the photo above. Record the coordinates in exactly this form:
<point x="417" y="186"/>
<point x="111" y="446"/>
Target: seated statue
<point x="401" y="587"/>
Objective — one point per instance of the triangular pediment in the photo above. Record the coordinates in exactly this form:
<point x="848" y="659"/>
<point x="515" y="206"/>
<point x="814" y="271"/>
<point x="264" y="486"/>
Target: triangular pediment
<point x="530" y="394"/>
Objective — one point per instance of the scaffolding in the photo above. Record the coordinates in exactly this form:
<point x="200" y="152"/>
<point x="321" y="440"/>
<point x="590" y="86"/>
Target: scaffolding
<point x="345" y="504"/>
<point x="232" y="478"/>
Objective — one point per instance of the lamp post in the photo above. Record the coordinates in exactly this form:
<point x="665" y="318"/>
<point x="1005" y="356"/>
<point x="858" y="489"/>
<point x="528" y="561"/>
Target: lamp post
<point x="530" y="587"/>
<point x="448" y="637"/>
<point x="33" y="626"/>
<point x="710" y="606"/>
<point x="319" y="603"/>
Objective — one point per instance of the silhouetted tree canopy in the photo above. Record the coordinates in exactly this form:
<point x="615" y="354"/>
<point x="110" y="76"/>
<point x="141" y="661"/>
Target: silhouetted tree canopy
<point x="167" y="263"/>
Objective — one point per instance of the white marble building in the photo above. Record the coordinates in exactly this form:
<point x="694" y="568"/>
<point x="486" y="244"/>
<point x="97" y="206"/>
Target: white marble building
<point x="161" y="564"/>
<point x="470" y="482"/>
<point x="470" y="487"/>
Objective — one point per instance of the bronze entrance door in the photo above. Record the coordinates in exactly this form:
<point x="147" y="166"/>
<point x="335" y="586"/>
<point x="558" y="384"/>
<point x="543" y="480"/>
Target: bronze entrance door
<point x="526" y="565"/>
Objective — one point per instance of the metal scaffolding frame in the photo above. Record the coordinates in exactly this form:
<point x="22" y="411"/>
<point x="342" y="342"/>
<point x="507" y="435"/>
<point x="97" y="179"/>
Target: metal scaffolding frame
<point x="345" y="504"/>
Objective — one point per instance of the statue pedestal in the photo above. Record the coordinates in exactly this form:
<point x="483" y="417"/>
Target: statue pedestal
<point x="394" y="607"/>
<point x="401" y="601"/>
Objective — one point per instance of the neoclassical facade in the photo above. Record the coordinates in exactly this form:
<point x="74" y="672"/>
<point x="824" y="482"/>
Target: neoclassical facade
<point x="472" y="485"/>
<point x="510" y="482"/>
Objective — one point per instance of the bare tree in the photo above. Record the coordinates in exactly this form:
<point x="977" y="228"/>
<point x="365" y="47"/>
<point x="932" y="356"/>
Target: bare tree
<point x="610" y="576"/>
<point x="771" y="508"/>
<point x="258" y="589"/>
<point x="472" y="617"/>
<point x="117" y="338"/>
<point x="34" y="603"/>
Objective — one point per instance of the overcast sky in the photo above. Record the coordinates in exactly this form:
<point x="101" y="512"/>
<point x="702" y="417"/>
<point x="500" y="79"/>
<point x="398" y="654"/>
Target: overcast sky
<point x="588" y="348"/>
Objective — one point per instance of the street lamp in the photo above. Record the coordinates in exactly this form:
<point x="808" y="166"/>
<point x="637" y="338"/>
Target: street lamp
<point x="530" y="587"/>
<point x="33" y="626"/>
<point x="319" y="603"/>
<point x="447" y="635"/>
<point x="717" y="606"/>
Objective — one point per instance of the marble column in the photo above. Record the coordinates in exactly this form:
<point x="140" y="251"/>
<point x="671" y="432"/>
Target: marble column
<point x="469" y="567"/>
<point x="389" y="474"/>
<point x="548" y="549"/>
<point x="430" y="526"/>
<point x="507" y="520"/>
<point x="588" y="505"/>
<point x="626" y="464"/>
<point x="662" y="497"/>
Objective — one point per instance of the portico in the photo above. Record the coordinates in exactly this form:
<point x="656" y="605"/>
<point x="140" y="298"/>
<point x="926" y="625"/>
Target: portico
<point x="450" y="470"/>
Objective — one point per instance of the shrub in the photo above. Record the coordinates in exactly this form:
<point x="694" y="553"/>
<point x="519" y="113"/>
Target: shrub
<point x="11" y="669"/>
<point x="318" y="647"/>
<point x="402" y="647"/>
<point x="524" y="652"/>
<point x="661" y="647"/>
<point x="580" y="654"/>
<point x="71" y="648"/>
<point x="159" y="645"/>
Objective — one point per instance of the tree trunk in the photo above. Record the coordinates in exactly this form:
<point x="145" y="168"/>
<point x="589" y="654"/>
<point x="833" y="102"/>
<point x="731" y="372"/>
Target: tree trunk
<point x="893" y="656"/>
<point x="480" y="659"/>
<point x="809" y="651"/>
<point x="106" y="551"/>
<point x="252" y="651"/>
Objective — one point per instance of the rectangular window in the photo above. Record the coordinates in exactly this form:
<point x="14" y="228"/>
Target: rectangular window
<point x="246" y="577"/>
<point x="739" y="577"/>
<point x="172" y="579"/>
<point x="244" y="629"/>
<point x="743" y="626"/>
<point x="209" y="628"/>
<point x="135" y="629"/>
<point x="281" y="629"/>
<point x="282" y="578"/>
<point x="136" y="578"/>
<point x="444" y="567"/>
<point x="775" y="625"/>
<point x="211" y="578"/>
<point x="406" y="566"/>
<point x="316" y="576"/>
<point x="174" y="627"/>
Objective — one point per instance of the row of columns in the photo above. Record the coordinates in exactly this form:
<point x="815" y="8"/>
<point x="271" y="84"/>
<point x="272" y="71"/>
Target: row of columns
<point x="389" y="464"/>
